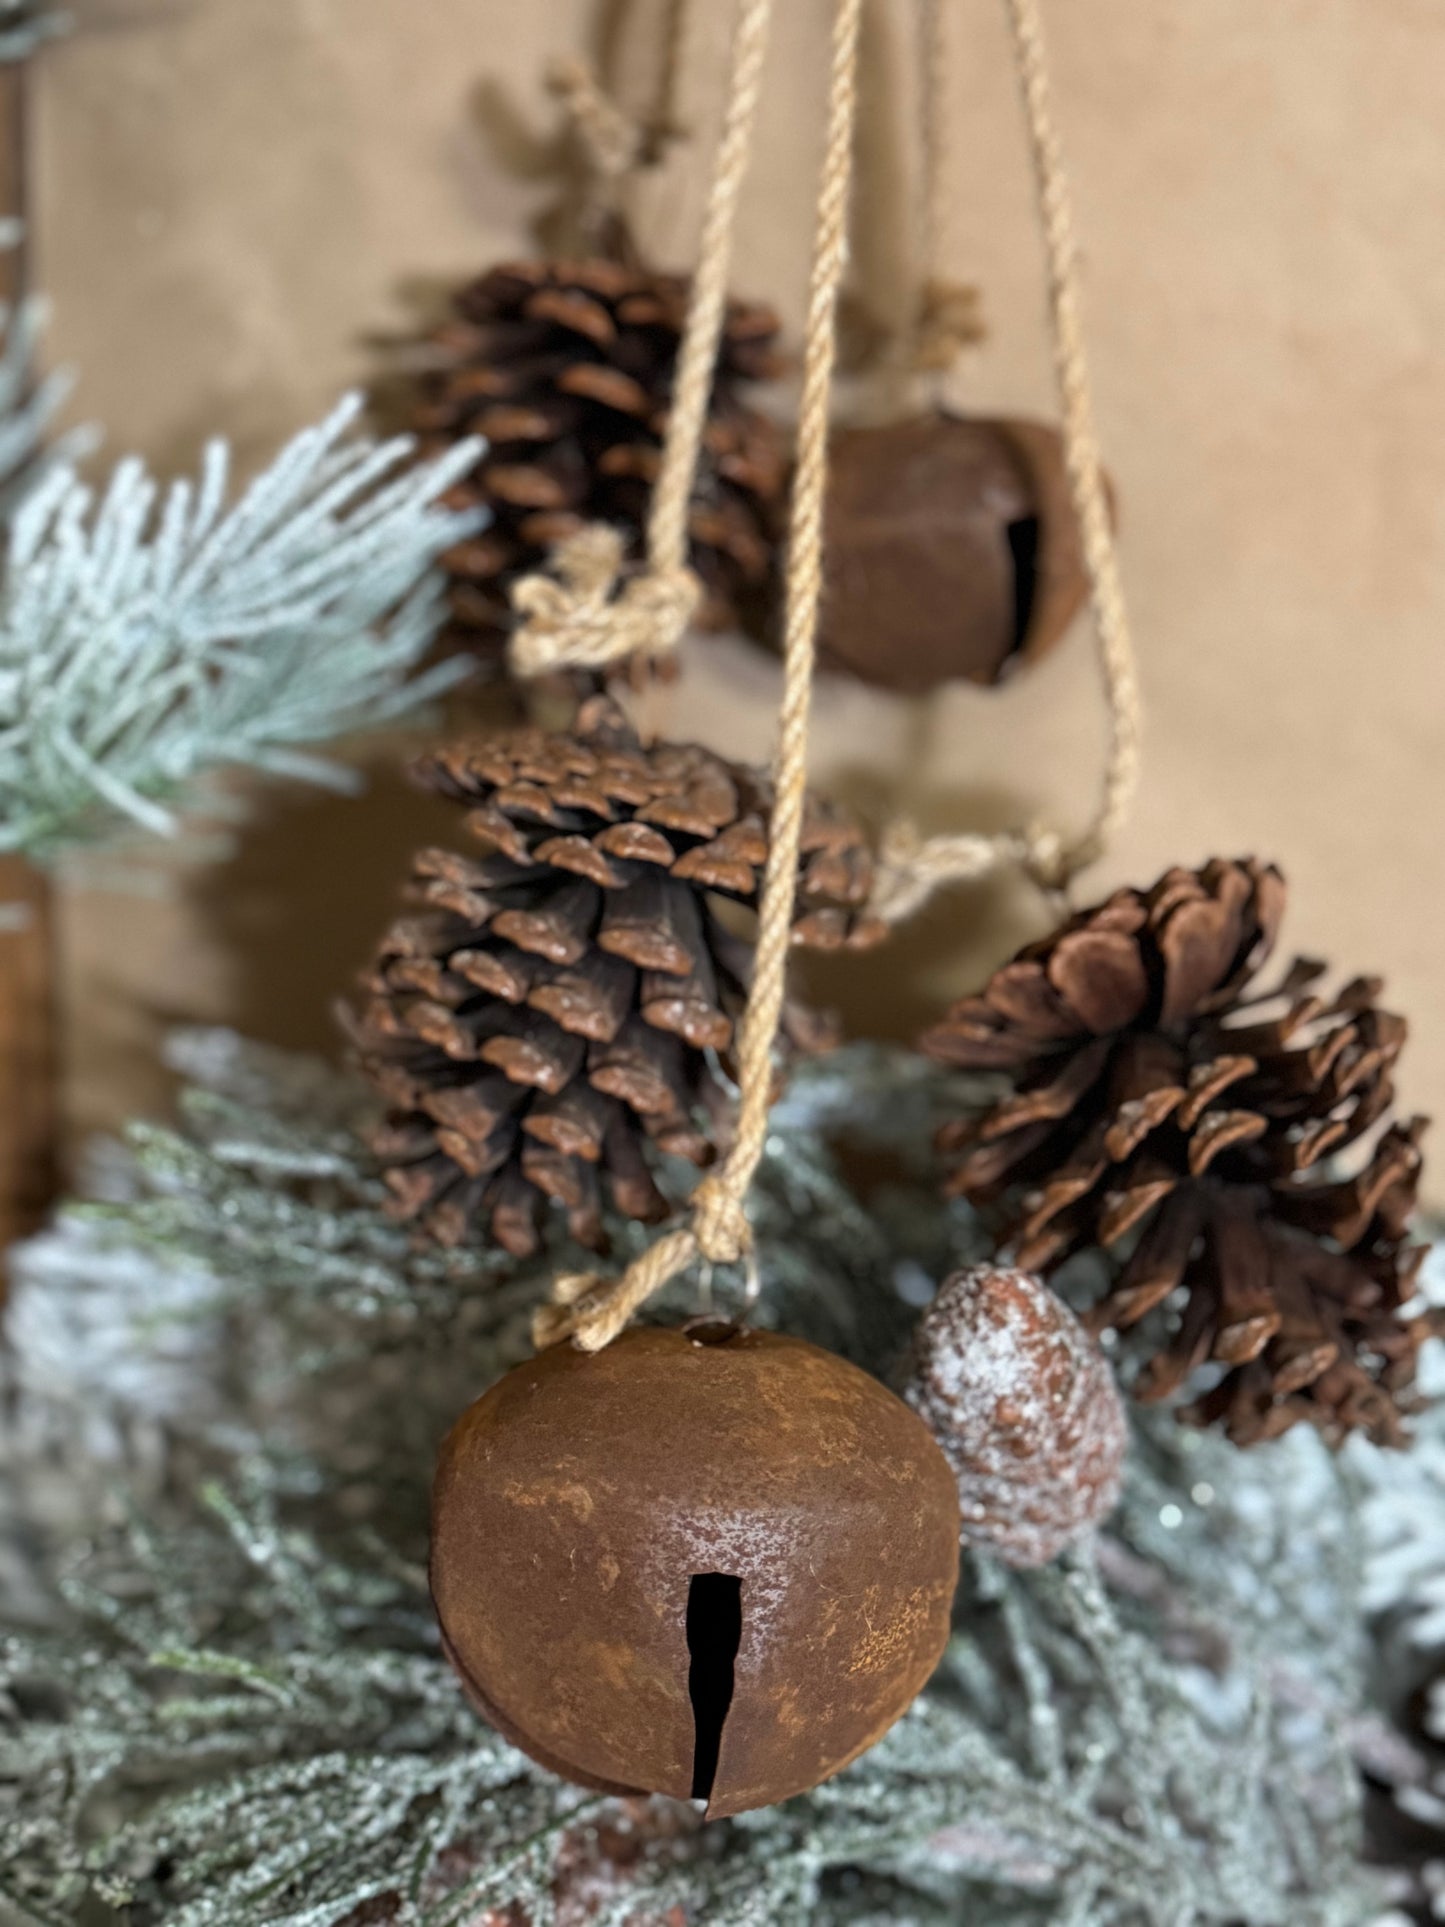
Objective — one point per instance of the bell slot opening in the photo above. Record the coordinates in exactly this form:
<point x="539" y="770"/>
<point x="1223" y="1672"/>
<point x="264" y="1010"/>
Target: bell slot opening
<point x="714" y="1633"/>
<point x="1023" y="542"/>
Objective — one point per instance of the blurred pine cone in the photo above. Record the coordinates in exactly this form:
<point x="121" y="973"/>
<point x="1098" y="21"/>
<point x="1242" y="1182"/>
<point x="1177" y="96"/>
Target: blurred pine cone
<point x="568" y="997"/>
<point x="1159" y="1092"/>
<point x="566" y="367"/>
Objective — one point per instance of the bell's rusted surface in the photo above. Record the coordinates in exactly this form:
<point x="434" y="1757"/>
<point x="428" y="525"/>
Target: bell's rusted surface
<point x="952" y="550"/>
<point x="711" y="1563"/>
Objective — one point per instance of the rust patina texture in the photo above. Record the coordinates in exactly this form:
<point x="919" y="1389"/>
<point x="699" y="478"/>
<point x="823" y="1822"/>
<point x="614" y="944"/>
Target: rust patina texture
<point x="953" y="553"/>
<point x="579" y="1500"/>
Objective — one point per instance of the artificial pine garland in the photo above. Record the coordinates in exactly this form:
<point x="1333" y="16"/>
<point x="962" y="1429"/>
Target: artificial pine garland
<point x="233" y="1708"/>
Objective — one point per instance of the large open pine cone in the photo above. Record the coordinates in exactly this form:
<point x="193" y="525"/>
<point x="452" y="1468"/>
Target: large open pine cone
<point x="566" y="367"/>
<point x="1158" y="1092"/>
<point x="569" y="994"/>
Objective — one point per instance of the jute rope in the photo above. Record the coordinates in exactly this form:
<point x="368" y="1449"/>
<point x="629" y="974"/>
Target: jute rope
<point x="664" y="122"/>
<point x="585" y="615"/>
<point x="590" y="1311"/>
<point x="911" y="868"/>
<point x="1081" y="449"/>
<point x="946" y="319"/>
<point x="615" y="144"/>
<point x="611" y="140"/>
<point x="578" y="616"/>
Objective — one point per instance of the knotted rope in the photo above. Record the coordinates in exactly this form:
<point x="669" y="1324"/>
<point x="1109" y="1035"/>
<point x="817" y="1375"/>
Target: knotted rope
<point x="590" y="1311"/>
<point x="585" y="615"/>
<point x="576" y="616"/>
<point x="614" y="144"/>
<point x="611" y="140"/>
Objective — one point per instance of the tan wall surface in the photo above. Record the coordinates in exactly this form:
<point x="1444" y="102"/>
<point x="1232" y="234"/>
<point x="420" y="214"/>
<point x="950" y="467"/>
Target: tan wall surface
<point x="234" y="192"/>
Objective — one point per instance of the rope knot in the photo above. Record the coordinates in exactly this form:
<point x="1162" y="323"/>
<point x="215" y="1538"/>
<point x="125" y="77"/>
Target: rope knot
<point x="664" y="600"/>
<point x="898" y="887"/>
<point x="1045" y="856"/>
<point x="576" y="1296"/>
<point x="949" y="319"/>
<point x="578" y="617"/>
<point x="720" y="1222"/>
<point x="910" y="868"/>
<point x="611" y="139"/>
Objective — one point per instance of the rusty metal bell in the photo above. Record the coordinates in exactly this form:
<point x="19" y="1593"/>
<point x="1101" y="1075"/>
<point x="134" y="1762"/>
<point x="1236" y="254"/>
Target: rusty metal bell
<point x="953" y="552"/>
<point x="710" y="1562"/>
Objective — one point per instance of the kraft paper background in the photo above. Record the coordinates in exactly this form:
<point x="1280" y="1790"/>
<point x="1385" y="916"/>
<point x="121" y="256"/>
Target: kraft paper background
<point x="232" y="197"/>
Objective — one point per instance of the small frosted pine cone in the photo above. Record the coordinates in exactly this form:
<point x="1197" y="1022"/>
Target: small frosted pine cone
<point x="566" y="1001"/>
<point x="1024" y="1408"/>
<point x="1168" y="1110"/>
<point x="566" y="368"/>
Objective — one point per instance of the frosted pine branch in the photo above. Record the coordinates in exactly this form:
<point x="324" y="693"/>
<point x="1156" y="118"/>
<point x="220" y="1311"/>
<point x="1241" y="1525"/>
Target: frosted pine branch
<point x="1404" y="1504"/>
<point x="24" y="24"/>
<point x="152" y="636"/>
<point x="29" y="402"/>
<point x="272" y="1718"/>
<point x="233" y="1712"/>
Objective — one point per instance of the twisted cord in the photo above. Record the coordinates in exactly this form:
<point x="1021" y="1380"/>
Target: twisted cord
<point x="576" y="619"/>
<point x="593" y="1311"/>
<point x="664" y="120"/>
<point x="909" y="868"/>
<point x="590" y="1311"/>
<point x="912" y="868"/>
<point x="578" y="615"/>
<point x="1081" y="448"/>
<point x="610" y="138"/>
<point x="947" y="316"/>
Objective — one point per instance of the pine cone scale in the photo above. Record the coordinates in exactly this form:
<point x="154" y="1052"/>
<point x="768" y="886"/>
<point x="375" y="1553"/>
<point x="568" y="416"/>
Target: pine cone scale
<point x="590" y="1003"/>
<point x="558" y="930"/>
<point x="1124" y="1206"/>
<point x="1100" y="979"/>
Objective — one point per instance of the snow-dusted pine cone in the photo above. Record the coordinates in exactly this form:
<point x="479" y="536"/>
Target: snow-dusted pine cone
<point x="565" y="1003"/>
<point x="1024" y="1407"/>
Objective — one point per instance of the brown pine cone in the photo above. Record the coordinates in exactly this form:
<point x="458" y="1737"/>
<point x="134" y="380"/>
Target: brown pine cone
<point x="1024" y="1408"/>
<point x="566" y="367"/>
<point x="570" y="992"/>
<point x="1161" y="1097"/>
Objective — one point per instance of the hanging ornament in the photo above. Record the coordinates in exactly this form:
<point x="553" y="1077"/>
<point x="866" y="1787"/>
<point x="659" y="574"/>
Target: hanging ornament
<point x="953" y="551"/>
<point x="566" y="1001"/>
<point x="1024" y="1407"/>
<point x="711" y="1563"/>
<point x="566" y="368"/>
<point x="1169" y="1108"/>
